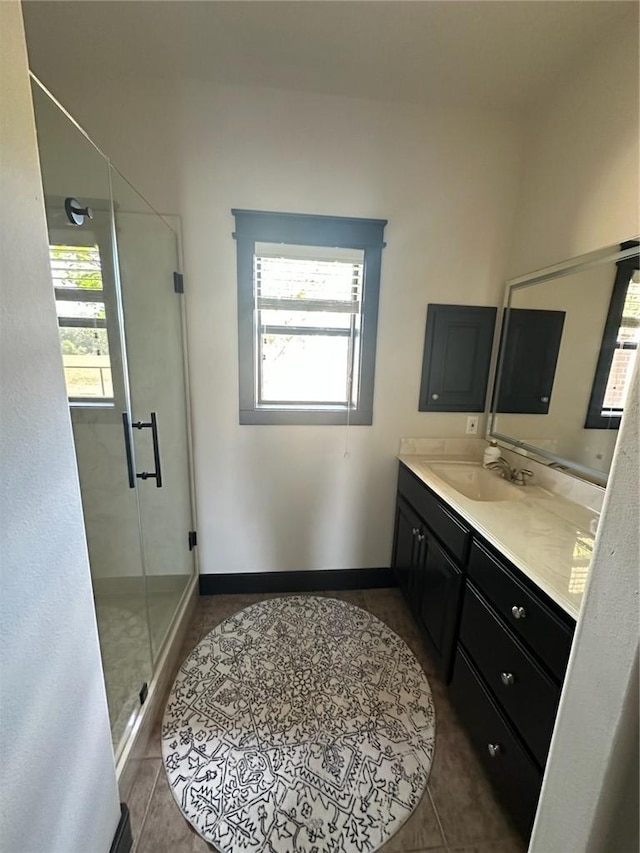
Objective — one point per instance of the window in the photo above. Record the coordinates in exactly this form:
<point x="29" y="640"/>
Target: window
<point x="619" y="348"/>
<point x="307" y="313"/>
<point x="82" y="320"/>
<point x="84" y="284"/>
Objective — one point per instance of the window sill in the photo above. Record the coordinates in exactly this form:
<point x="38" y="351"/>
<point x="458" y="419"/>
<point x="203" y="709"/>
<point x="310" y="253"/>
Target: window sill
<point x="305" y="417"/>
<point x="91" y="404"/>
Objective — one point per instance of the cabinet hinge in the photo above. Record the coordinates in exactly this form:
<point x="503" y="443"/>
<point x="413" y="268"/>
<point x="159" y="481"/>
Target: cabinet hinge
<point x="178" y="282"/>
<point x="193" y="539"/>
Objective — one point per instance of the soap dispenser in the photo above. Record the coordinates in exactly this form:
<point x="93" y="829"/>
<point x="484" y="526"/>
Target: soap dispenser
<point x="491" y="453"/>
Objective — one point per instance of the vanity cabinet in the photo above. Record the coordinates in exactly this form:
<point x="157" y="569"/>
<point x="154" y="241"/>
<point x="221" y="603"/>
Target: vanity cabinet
<point x="499" y="641"/>
<point x="430" y="547"/>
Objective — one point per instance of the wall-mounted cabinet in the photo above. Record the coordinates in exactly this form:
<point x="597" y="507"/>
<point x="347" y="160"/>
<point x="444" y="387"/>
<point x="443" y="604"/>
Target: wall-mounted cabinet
<point x="457" y="356"/>
<point x="531" y="347"/>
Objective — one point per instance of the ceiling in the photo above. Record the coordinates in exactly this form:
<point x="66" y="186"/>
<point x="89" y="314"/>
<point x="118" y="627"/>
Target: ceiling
<point x="487" y="53"/>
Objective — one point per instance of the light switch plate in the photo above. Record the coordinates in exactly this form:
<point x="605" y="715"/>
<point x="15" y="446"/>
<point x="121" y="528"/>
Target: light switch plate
<point x="472" y="425"/>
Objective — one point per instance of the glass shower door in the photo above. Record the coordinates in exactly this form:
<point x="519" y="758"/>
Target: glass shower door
<point x="76" y="177"/>
<point x="147" y="248"/>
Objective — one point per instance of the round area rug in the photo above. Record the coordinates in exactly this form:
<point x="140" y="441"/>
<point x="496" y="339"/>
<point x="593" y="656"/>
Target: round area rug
<point x="300" y="725"/>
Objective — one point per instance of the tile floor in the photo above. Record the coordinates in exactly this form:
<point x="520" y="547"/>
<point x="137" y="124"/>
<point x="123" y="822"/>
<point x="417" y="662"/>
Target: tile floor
<point x="458" y="813"/>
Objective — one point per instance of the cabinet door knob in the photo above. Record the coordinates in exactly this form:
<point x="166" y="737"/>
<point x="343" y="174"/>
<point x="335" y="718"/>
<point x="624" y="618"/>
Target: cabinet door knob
<point x="507" y="679"/>
<point x="518" y="612"/>
<point x="420" y="537"/>
<point x="435" y="396"/>
<point x="544" y="399"/>
<point x="494" y="749"/>
<point x="415" y="531"/>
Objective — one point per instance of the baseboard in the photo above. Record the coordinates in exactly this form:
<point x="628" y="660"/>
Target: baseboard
<point x="311" y="581"/>
<point x="123" y="839"/>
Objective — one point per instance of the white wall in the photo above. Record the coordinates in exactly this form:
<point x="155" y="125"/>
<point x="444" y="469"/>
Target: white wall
<point x="580" y="180"/>
<point x="580" y="192"/>
<point x="277" y="498"/>
<point x="58" y="786"/>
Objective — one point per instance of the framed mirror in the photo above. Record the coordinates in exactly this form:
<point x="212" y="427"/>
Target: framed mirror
<point x="570" y="338"/>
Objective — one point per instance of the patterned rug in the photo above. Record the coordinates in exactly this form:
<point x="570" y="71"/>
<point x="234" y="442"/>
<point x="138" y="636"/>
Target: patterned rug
<point x="300" y="725"/>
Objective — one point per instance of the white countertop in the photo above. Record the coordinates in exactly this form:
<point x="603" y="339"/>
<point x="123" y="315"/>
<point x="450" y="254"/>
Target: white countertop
<point x="544" y="535"/>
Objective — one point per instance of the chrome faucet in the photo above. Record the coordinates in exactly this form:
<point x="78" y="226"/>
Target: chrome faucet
<point x="501" y="464"/>
<point x="513" y="475"/>
<point x="519" y="478"/>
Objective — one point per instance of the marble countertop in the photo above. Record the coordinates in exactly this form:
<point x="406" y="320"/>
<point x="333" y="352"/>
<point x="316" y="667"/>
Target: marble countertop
<point x="544" y="535"/>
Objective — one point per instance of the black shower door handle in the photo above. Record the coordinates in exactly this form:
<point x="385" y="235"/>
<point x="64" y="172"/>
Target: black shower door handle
<point x="127" y="446"/>
<point x="151" y="424"/>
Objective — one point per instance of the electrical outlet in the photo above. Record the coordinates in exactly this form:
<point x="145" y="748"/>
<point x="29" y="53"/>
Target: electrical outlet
<point x="472" y="425"/>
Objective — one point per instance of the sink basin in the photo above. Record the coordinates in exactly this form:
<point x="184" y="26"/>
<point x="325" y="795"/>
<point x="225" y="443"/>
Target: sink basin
<point x="475" y="482"/>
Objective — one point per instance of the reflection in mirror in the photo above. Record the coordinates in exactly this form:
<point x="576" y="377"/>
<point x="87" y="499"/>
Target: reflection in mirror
<point x="568" y="350"/>
<point x="618" y="351"/>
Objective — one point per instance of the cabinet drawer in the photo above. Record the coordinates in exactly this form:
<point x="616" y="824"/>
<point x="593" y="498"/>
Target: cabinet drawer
<point x="453" y="534"/>
<point x="512" y="772"/>
<point x="530" y="619"/>
<point x="528" y="696"/>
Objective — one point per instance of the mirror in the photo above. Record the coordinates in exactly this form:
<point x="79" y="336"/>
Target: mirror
<point x="569" y="343"/>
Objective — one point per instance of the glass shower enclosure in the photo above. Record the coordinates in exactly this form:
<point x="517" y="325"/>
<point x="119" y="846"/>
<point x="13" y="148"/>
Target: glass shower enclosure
<point x="117" y="289"/>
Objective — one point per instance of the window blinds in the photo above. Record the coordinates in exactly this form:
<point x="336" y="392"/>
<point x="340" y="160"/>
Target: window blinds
<point x="308" y="278"/>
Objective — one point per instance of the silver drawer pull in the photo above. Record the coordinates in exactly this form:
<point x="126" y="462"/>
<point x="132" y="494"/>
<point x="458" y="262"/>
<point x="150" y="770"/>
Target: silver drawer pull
<point x="420" y="537"/>
<point x="507" y="679"/>
<point x="415" y="531"/>
<point x="494" y="749"/>
<point x="518" y="612"/>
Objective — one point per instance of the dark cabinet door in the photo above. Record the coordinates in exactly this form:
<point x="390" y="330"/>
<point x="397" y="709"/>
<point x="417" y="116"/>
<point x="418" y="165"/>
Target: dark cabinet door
<point x="440" y="601"/>
<point x="530" y="354"/>
<point x="407" y="547"/>
<point x="457" y="353"/>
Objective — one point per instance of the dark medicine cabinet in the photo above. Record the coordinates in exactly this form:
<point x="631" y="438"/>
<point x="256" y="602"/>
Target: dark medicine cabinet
<point x="531" y="343"/>
<point x="457" y="357"/>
